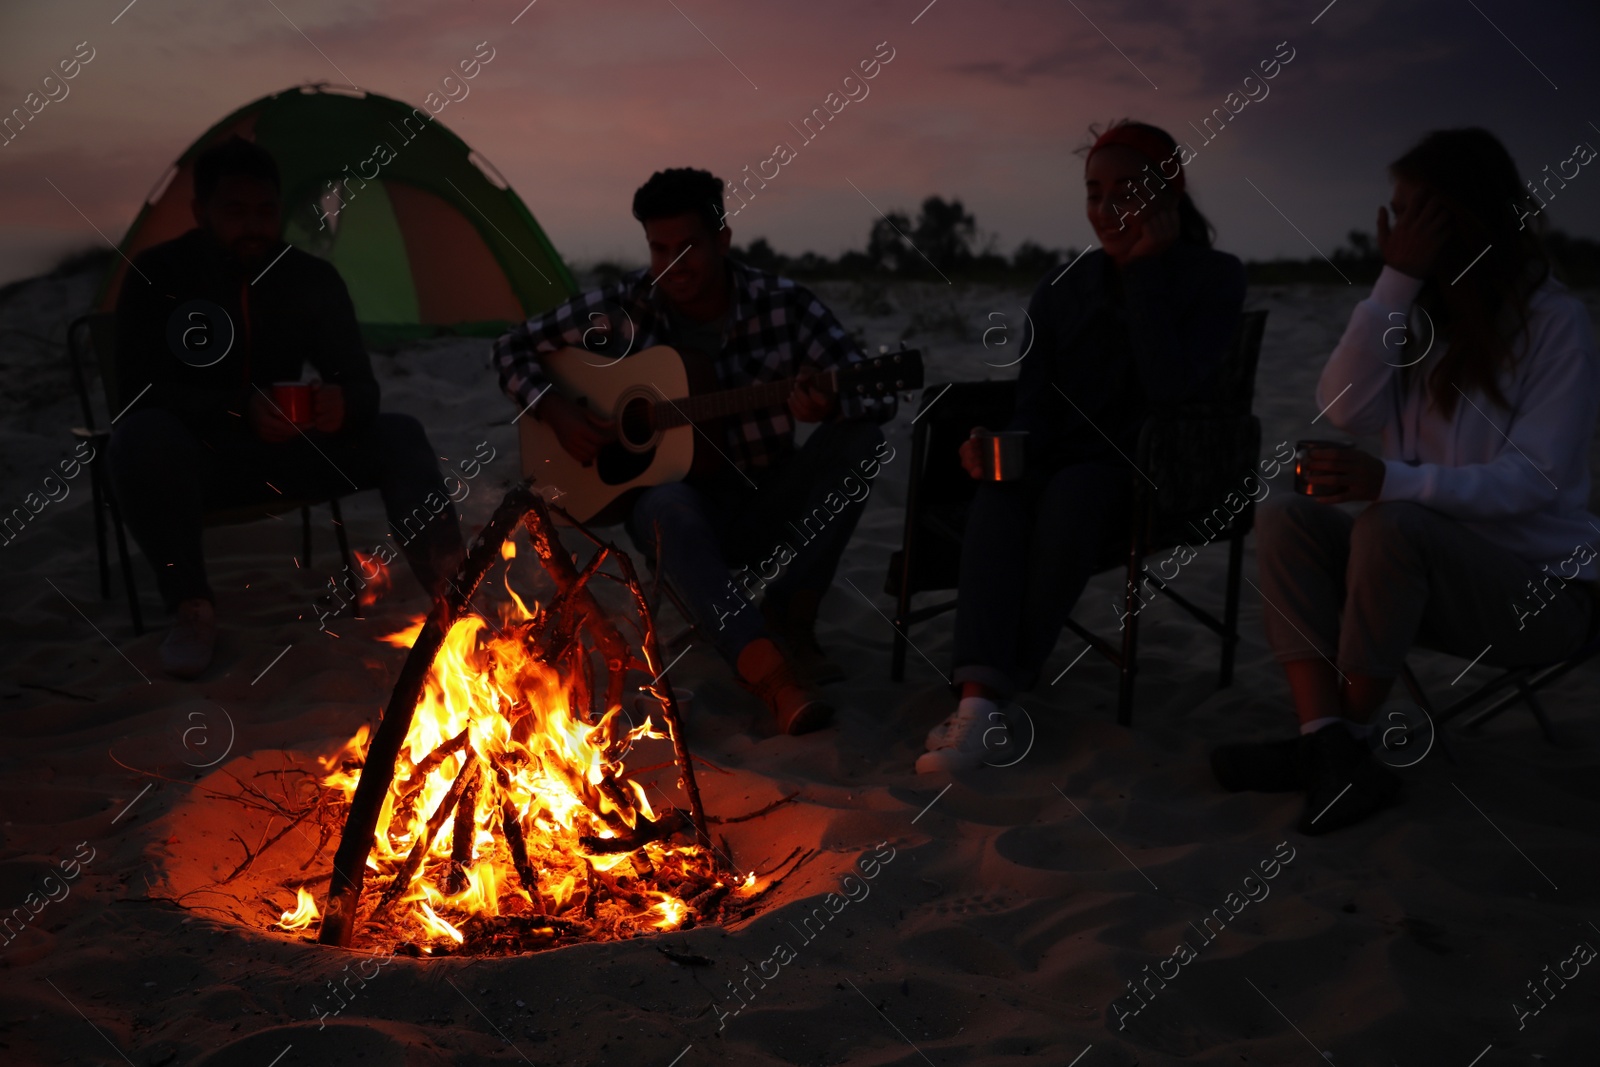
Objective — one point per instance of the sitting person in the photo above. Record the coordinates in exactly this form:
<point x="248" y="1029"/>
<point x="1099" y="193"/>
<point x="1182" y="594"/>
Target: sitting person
<point x="204" y="432"/>
<point x="1139" y="324"/>
<point x="756" y="328"/>
<point x="1485" y="406"/>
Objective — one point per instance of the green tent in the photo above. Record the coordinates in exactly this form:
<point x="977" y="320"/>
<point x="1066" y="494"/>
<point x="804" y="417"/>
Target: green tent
<point x="427" y="235"/>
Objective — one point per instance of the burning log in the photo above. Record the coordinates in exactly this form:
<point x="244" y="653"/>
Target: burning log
<point x="407" y="802"/>
<point x="463" y="834"/>
<point x="560" y="567"/>
<point x="419" y="850"/>
<point x="643" y="832"/>
<point x="511" y="829"/>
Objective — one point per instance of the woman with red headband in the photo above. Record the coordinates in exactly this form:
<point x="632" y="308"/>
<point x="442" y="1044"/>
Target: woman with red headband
<point x="1135" y="325"/>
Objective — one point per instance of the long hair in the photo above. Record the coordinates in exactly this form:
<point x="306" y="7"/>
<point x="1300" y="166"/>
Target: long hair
<point x="1193" y="227"/>
<point x="1479" y="304"/>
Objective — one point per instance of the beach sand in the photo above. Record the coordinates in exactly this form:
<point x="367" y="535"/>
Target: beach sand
<point x="1015" y="906"/>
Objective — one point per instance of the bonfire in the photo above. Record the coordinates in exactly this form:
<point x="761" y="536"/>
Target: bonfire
<point x="493" y="809"/>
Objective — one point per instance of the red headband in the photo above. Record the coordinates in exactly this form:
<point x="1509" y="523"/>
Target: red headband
<point x="1147" y="143"/>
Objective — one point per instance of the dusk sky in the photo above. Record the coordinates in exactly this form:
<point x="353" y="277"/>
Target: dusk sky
<point x="982" y="101"/>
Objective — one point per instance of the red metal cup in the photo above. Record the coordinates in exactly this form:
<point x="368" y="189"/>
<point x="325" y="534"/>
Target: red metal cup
<point x="294" y="400"/>
<point x="1302" y="454"/>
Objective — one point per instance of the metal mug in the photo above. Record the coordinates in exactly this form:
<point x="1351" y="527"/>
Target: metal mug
<point x="1002" y="454"/>
<point x="1302" y="452"/>
<point x="294" y="400"/>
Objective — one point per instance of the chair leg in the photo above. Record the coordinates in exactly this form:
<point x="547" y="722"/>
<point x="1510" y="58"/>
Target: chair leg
<point x="305" y="537"/>
<point x="1537" y="707"/>
<point x="1230" y="610"/>
<point x="344" y="552"/>
<point x="902" y="611"/>
<point x="127" y="567"/>
<point x="1419" y="696"/>
<point x="95" y="474"/>
<point x="1130" y="638"/>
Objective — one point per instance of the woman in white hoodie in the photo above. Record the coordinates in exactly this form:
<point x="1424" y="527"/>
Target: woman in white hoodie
<point x="1478" y="372"/>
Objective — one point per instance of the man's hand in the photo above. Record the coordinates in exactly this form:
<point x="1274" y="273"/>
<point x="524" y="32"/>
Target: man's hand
<point x="1412" y="246"/>
<point x="1159" y="232"/>
<point x="971" y="460"/>
<point x="1351" y="473"/>
<point x="813" y="399"/>
<point x="327" y="407"/>
<point x="267" y="420"/>
<point x="580" y="431"/>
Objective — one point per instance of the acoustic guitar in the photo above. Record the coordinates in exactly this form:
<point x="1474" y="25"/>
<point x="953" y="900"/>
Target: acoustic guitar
<point x="670" y="414"/>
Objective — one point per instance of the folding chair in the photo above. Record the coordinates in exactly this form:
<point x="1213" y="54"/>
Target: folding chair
<point x="1502" y="692"/>
<point x="1188" y="461"/>
<point x="100" y="329"/>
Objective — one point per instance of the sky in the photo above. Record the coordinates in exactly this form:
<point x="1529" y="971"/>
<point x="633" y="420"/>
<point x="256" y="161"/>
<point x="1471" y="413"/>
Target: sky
<point x="986" y="102"/>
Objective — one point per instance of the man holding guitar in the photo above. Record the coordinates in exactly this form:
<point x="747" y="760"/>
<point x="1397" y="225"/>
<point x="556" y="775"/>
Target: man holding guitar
<point x="604" y="376"/>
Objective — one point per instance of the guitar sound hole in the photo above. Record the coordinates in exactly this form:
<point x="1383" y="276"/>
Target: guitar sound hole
<point x="633" y="422"/>
<point x="616" y="465"/>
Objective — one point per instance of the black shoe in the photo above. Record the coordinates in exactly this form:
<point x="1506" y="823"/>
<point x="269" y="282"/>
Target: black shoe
<point x="1343" y="783"/>
<point x="1264" y="767"/>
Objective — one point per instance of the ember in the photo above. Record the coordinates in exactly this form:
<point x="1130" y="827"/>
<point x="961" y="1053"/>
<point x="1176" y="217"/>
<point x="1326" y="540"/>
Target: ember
<point x="508" y="820"/>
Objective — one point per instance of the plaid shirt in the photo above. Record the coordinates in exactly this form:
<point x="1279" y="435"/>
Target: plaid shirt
<point x="774" y="328"/>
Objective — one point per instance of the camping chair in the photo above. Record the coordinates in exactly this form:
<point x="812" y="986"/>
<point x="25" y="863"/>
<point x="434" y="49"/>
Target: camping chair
<point x="1502" y="692"/>
<point x="101" y="332"/>
<point x="1197" y="455"/>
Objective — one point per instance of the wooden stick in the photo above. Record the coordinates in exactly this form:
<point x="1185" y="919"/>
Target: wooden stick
<point x="463" y="834"/>
<point x="355" y="845"/>
<point x="554" y="556"/>
<point x="419" y="850"/>
<point x="406" y="803"/>
<point x="662" y="690"/>
<point x="511" y="827"/>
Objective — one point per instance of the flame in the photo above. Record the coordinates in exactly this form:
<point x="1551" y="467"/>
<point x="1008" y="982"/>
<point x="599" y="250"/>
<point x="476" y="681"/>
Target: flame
<point x="672" y="911"/>
<point x="378" y="582"/>
<point x="494" y="709"/>
<point x="302" y="915"/>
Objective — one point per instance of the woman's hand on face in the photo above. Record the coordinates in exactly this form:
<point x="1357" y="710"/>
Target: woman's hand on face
<point x="1159" y="231"/>
<point x="1412" y="245"/>
<point x="1353" y="474"/>
<point x="971" y="461"/>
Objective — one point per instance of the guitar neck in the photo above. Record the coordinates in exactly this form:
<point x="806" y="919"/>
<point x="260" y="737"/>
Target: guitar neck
<point x="682" y="411"/>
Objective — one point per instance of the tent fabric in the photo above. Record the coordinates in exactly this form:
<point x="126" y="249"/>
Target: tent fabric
<point x="427" y="241"/>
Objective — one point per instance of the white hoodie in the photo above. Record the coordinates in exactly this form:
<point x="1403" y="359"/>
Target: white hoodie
<point x="1518" y="477"/>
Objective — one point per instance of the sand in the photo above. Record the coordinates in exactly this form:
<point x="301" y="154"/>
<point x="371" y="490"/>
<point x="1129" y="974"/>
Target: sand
<point x="1014" y="907"/>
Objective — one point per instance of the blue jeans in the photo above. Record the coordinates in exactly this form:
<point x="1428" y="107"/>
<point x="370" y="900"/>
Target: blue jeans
<point x="1029" y="549"/>
<point x="167" y="473"/>
<point x="786" y="534"/>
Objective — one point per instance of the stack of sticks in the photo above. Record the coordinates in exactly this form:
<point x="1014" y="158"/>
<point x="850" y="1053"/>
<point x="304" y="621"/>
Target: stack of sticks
<point x="568" y="634"/>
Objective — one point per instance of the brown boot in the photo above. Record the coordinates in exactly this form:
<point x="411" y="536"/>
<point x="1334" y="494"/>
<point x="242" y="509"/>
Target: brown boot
<point x="796" y="627"/>
<point x="764" y="671"/>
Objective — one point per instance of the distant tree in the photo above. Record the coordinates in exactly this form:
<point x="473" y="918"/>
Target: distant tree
<point x="886" y="244"/>
<point x="1033" y="260"/>
<point x="945" y="232"/>
<point x="761" y="256"/>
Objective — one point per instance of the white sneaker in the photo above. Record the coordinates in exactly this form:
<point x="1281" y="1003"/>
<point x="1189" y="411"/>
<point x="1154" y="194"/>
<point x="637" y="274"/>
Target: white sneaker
<point x="186" y="652"/>
<point x="962" y="741"/>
